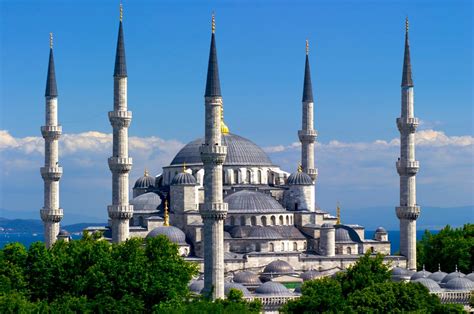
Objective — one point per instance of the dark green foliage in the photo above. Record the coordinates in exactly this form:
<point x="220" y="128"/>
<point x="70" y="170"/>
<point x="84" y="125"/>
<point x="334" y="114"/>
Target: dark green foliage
<point x="450" y="247"/>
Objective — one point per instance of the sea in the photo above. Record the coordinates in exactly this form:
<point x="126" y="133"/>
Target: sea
<point x="27" y="239"/>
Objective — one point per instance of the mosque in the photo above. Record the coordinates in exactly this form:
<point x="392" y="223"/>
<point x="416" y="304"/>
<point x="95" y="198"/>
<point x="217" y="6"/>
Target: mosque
<point x="246" y="222"/>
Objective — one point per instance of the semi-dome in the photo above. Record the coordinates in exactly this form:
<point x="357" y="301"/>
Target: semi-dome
<point x="299" y="178"/>
<point x="237" y="286"/>
<point x="420" y="274"/>
<point x="272" y="288"/>
<point x="247" y="278"/>
<point x="184" y="178"/>
<point x="438" y="276"/>
<point x="146" y="201"/>
<point x="252" y="202"/>
<point x="196" y="286"/>
<point x="240" y="152"/>
<point x="346" y="234"/>
<point x="278" y="267"/>
<point x="459" y="283"/>
<point x="310" y="275"/>
<point x="428" y="283"/>
<point x="173" y="234"/>
<point x="450" y="276"/>
<point x="144" y="182"/>
<point x="264" y="233"/>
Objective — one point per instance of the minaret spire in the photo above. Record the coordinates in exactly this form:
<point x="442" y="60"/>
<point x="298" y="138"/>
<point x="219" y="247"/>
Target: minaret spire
<point x="407" y="77"/>
<point x="51" y="213"/>
<point x="307" y="86"/>
<point x="213" y="154"/>
<point x="120" y="163"/>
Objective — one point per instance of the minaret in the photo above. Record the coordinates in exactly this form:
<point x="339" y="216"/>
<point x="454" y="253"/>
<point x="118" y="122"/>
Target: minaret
<point x="120" y="164"/>
<point x="51" y="214"/>
<point x="213" y="154"/>
<point x="407" y="166"/>
<point x="308" y="134"/>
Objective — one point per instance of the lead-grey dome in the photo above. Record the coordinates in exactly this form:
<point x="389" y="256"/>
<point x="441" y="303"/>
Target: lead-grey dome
<point x="450" y="276"/>
<point x="380" y="230"/>
<point x="346" y="234"/>
<point x="420" y="274"/>
<point x="196" y="286"/>
<point x="64" y="233"/>
<point x="272" y="288"/>
<point x="264" y="233"/>
<point x="428" y="283"/>
<point x="438" y="276"/>
<point x="146" y="201"/>
<point x="144" y="182"/>
<point x="310" y="275"/>
<point x="184" y="178"/>
<point x="174" y="234"/>
<point x="247" y="278"/>
<point x="278" y="267"/>
<point x="240" y="152"/>
<point x="459" y="283"/>
<point x="234" y="285"/>
<point x="252" y="202"/>
<point x="470" y="276"/>
<point x="299" y="178"/>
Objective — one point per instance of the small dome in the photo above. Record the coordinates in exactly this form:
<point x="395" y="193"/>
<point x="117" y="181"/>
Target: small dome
<point x="247" y="278"/>
<point x="272" y="288"/>
<point x="299" y="178"/>
<point x="237" y="286"/>
<point x="327" y="225"/>
<point x="196" y="286"/>
<point x="420" y="274"/>
<point x="346" y="234"/>
<point x="227" y="235"/>
<point x="459" y="283"/>
<point x="428" y="283"/>
<point x="399" y="274"/>
<point x="252" y="202"/>
<point x="470" y="276"/>
<point x="264" y="233"/>
<point x="437" y="276"/>
<point x="146" y="201"/>
<point x="455" y="274"/>
<point x="144" y="182"/>
<point x="174" y="234"/>
<point x="380" y="230"/>
<point x="64" y="233"/>
<point x="310" y="275"/>
<point x="278" y="267"/>
<point x="184" y="178"/>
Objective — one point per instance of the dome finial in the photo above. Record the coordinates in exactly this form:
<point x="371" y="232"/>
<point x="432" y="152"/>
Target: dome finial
<point x="456" y="267"/>
<point x="166" y="223"/>
<point x="300" y="168"/>
<point x="407" y="25"/>
<point x="184" y="167"/>
<point x="224" y="127"/>
<point x="146" y="172"/>
<point x="439" y="267"/>
<point x="51" y="40"/>
<point x="121" y="11"/>
<point x="307" y="47"/>
<point x="423" y="267"/>
<point x="338" y="213"/>
<point x="213" y="22"/>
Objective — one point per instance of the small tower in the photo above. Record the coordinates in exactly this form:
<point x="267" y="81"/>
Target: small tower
<point x="300" y="193"/>
<point x="120" y="164"/>
<point x="183" y="197"/>
<point x="407" y="166"/>
<point x="51" y="213"/>
<point x="213" y="155"/>
<point x="327" y="240"/>
<point x="307" y="134"/>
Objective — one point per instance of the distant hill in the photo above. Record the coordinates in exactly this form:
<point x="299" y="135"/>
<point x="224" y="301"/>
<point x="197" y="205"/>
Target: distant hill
<point x="69" y="218"/>
<point x="36" y="225"/>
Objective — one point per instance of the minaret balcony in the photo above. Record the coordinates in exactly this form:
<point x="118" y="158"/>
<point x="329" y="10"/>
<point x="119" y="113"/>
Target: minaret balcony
<point x="307" y="136"/>
<point x="120" y="118"/>
<point x="51" y="215"/>
<point x="51" y="131"/>
<point x="407" y="124"/>
<point x="407" y="167"/>
<point x="120" y="211"/>
<point x="216" y="211"/>
<point x="214" y="154"/>
<point x="51" y="173"/>
<point x="313" y="173"/>
<point x="408" y="212"/>
<point x="120" y="164"/>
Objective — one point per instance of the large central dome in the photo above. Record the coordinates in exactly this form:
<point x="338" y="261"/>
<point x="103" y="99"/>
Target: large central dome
<point x="240" y="152"/>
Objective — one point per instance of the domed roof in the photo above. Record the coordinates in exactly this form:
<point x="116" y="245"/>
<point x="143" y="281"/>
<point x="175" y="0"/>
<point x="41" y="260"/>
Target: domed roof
<point x="144" y="182"/>
<point x="380" y="230"/>
<point x="196" y="286"/>
<point x="459" y="284"/>
<point x="399" y="273"/>
<point x="346" y="234"/>
<point x="240" y="231"/>
<point x="272" y="288"/>
<point x="240" y="151"/>
<point x="278" y="267"/>
<point x="252" y="202"/>
<point x="428" y="283"/>
<point x="310" y="275"/>
<point x="247" y="277"/>
<point x="327" y="225"/>
<point x="470" y="276"/>
<point x="174" y="234"/>
<point x="146" y="201"/>
<point x="238" y="286"/>
<point x="184" y="178"/>
<point x="64" y="233"/>
<point x="264" y="233"/>
<point x="299" y="178"/>
<point x="437" y="276"/>
<point x="448" y="277"/>
<point x="420" y="274"/>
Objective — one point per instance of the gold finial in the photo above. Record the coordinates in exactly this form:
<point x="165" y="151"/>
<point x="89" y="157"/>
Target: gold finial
<point x="338" y="214"/>
<point x="166" y="223"/>
<point x="300" y="168"/>
<point x="213" y="23"/>
<point x="406" y="24"/>
<point x="121" y="12"/>
<point x="307" y="47"/>
<point x="224" y="128"/>
<point x="146" y="172"/>
<point x="184" y="167"/>
<point x="51" y="40"/>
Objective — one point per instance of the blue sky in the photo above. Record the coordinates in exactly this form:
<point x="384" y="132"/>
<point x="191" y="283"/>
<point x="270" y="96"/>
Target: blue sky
<point x="356" y="51"/>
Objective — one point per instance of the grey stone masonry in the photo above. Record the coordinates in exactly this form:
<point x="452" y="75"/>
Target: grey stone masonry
<point x="407" y="166"/>
<point x="120" y="163"/>
<point x="51" y="214"/>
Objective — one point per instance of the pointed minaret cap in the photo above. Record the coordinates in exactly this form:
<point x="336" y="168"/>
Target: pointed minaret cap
<point x="213" y="86"/>
<point x="308" y="87"/>
<point x="51" y="88"/>
<point x="407" y="80"/>
<point x="120" y="64"/>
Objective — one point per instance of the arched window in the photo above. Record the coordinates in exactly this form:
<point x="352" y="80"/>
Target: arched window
<point x="232" y="220"/>
<point x="273" y="219"/>
<point x="258" y="247"/>
<point x="372" y="249"/>
<point x="259" y="176"/>
<point x="296" y="206"/>
<point x="131" y="222"/>
<point x="224" y="177"/>
<point x="249" y="176"/>
<point x="236" y="176"/>
<point x="295" y="246"/>
<point x="242" y="220"/>
<point x="253" y="220"/>
<point x="264" y="220"/>
<point x="140" y="220"/>
<point x="304" y="245"/>
<point x="348" y="250"/>
<point x="281" y="220"/>
<point x="287" y="220"/>
<point x="271" y="247"/>
<point x="283" y="246"/>
<point x="269" y="177"/>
